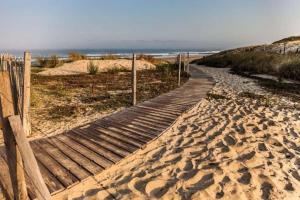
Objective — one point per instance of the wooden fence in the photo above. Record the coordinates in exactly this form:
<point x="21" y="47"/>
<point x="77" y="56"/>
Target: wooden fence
<point x="15" y="126"/>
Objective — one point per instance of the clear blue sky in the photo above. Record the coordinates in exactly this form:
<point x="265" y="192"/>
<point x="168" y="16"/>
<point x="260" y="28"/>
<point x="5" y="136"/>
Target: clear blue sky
<point x="44" y="24"/>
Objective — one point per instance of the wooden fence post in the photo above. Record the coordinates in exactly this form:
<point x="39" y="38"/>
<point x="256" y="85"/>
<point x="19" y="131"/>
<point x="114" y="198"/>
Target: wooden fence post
<point x="14" y="158"/>
<point x="133" y="79"/>
<point x="26" y="94"/>
<point x="179" y="70"/>
<point x="188" y="63"/>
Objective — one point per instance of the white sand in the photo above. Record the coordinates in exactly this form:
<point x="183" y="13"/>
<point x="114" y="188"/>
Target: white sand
<point x="81" y="66"/>
<point x="233" y="148"/>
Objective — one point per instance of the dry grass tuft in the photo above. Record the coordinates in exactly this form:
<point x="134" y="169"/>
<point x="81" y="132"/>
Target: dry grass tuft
<point x="74" y="56"/>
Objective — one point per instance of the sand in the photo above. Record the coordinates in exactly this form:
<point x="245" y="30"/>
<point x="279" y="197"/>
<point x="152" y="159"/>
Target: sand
<point x="79" y="67"/>
<point x="224" y="148"/>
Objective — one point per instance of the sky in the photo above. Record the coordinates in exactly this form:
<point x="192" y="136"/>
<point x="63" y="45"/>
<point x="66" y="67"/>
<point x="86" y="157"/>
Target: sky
<point x="200" y="24"/>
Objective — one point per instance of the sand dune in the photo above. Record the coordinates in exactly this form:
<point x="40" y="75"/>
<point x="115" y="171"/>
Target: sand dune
<point x="225" y="148"/>
<point x="81" y="66"/>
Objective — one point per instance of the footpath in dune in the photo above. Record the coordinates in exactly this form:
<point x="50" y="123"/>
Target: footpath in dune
<point x="232" y="145"/>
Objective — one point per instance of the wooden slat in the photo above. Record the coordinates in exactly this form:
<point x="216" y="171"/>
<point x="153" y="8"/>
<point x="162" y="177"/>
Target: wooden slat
<point x="81" y="160"/>
<point x="64" y="176"/>
<point x="115" y="149"/>
<point x="106" y="153"/>
<point x="30" y="163"/>
<point x="63" y="160"/>
<point x="86" y="152"/>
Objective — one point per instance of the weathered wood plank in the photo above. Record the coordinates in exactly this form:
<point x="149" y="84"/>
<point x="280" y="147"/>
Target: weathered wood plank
<point x="26" y="94"/>
<point x="64" y="176"/>
<point x="63" y="160"/>
<point x="101" y="160"/>
<point x="30" y="163"/>
<point x="77" y="157"/>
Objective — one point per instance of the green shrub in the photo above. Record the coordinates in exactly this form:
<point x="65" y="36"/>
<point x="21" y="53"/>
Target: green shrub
<point x="92" y="68"/>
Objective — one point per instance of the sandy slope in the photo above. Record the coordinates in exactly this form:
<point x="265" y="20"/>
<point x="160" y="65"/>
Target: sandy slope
<point x="232" y="148"/>
<point x="80" y="66"/>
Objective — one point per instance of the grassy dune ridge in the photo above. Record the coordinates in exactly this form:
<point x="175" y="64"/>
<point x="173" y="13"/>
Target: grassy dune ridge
<point x="257" y="62"/>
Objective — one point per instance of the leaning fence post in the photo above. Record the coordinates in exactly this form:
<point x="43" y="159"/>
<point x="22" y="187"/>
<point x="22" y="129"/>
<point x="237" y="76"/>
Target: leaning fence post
<point x="133" y="79"/>
<point x="179" y="70"/>
<point x="26" y="94"/>
<point x="14" y="158"/>
<point x="30" y="163"/>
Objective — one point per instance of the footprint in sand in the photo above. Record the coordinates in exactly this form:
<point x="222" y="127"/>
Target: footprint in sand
<point x="137" y="185"/>
<point x="157" y="188"/>
<point x="172" y="158"/>
<point x="186" y="170"/>
<point x="157" y="153"/>
<point x="186" y="165"/>
<point x="246" y="156"/>
<point x="245" y="177"/>
<point x="230" y="140"/>
<point x="199" y="182"/>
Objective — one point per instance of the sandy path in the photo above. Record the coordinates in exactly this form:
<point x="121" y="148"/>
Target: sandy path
<point x="229" y="148"/>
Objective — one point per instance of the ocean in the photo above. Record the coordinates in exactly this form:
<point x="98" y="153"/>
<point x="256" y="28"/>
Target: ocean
<point x="63" y="53"/>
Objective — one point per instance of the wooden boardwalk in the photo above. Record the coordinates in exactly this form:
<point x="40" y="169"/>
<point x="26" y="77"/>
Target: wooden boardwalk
<point x="70" y="157"/>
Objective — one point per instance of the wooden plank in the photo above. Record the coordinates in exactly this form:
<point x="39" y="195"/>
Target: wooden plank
<point x="30" y="163"/>
<point x="173" y="114"/>
<point x="97" y="137"/>
<point x="30" y="188"/>
<point x="152" y="114"/>
<point x="76" y="170"/>
<point x="99" y="159"/>
<point x="80" y="159"/>
<point x="106" y="153"/>
<point x="132" y="132"/>
<point x="15" y="163"/>
<point x="122" y="135"/>
<point x="5" y="179"/>
<point x="129" y="122"/>
<point x="115" y="149"/>
<point x="26" y="94"/>
<point x="52" y="183"/>
<point x="63" y="175"/>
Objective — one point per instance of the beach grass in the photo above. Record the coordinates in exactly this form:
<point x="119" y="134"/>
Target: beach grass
<point x="256" y="62"/>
